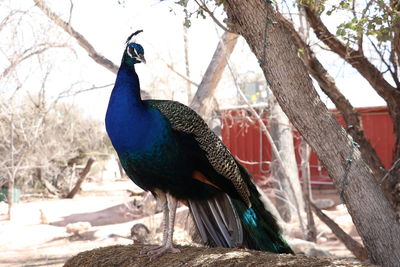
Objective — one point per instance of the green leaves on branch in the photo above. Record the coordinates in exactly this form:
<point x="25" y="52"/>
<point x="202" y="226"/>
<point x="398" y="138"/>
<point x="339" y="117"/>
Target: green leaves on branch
<point x="374" y="18"/>
<point x="197" y="12"/>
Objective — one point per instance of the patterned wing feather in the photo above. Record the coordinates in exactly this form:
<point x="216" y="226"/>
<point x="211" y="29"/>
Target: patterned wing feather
<point x="184" y="119"/>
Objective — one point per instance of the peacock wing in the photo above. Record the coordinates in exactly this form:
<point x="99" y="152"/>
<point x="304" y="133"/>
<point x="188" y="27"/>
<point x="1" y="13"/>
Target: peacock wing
<point x="184" y="119"/>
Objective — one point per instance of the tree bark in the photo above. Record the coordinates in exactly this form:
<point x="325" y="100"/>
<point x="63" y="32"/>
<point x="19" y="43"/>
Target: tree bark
<point x="291" y="85"/>
<point x="282" y="134"/>
<point x="203" y="102"/>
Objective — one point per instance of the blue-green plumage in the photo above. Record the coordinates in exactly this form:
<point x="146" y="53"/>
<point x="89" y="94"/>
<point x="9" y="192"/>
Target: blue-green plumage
<point x="167" y="148"/>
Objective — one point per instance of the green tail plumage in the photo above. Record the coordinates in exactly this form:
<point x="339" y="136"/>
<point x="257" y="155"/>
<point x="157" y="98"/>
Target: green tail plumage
<point x="260" y="229"/>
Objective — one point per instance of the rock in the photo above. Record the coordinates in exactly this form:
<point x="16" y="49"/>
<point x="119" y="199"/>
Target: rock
<point x="307" y="248"/>
<point x="324" y="203"/>
<point x="43" y="217"/>
<point x="140" y="233"/>
<point x="78" y="228"/>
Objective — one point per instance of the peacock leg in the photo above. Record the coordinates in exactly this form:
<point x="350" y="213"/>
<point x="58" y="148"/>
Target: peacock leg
<point x="162" y="198"/>
<point x="168" y="245"/>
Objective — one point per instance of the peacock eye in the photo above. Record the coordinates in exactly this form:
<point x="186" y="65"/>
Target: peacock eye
<point x="131" y="51"/>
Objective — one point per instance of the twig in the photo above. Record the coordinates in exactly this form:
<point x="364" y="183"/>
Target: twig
<point x="391" y="169"/>
<point x="70" y="12"/>
<point x="86" y="90"/>
<point x="203" y="6"/>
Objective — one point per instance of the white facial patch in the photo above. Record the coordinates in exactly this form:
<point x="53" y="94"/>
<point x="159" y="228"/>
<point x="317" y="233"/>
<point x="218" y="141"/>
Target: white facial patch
<point x="129" y="53"/>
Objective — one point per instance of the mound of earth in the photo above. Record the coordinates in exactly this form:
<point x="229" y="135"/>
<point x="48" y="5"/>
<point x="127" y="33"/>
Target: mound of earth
<point x="129" y="256"/>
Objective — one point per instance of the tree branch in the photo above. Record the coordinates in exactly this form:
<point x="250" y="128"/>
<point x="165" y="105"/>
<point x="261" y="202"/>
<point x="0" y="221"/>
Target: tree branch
<point x="181" y="75"/>
<point x="356" y="248"/>
<point x="353" y="57"/>
<point x="25" y="55"/>
<point x="202" y="101"/>
<point x="96" y="56"/>
<point x="66" y="94"/>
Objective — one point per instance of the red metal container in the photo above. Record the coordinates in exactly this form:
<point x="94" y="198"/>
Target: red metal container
<point x="242" y="134"/>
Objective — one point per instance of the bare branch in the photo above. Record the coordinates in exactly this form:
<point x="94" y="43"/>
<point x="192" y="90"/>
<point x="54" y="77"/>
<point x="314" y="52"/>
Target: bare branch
<point x="70" y="12"/>
<point x="383" y="60"/>
<point x="96" y="56"/>
<point x="181" y="75"/>
<point x="356" y="248"/>
<point x="25" y="55"/>
<point x="86" y="90"/>
<point x="6" y="20"/>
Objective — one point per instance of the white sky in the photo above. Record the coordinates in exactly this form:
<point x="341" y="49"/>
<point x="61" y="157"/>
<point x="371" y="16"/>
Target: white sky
<point x="106" y="24"/>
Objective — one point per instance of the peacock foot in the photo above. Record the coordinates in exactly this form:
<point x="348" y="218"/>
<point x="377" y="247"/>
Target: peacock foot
<point x="158" y="251"/>
<point x="147" y="249"/>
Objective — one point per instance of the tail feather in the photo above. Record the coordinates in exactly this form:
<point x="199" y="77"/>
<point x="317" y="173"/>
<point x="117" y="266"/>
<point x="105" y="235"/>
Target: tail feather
<point x="227" y="222"/>
<point x="217" y="221"/>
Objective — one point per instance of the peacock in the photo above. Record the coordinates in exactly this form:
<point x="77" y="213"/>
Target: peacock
<point x="166" y="148"/>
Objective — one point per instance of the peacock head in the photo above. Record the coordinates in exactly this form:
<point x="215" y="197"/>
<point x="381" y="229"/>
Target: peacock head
<point x="134" y="52"/>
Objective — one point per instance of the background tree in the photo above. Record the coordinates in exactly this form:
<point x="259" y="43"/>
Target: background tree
<point x="41" y="147"/>
<point x="38" y="145"/>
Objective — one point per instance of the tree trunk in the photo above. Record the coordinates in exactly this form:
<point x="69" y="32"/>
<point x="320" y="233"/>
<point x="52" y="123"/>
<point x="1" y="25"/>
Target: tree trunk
<point x="82" y="177"/>
<point x="377" y="80"/>
<point x="349" y="113"/>
<point x="12" y="172"/>
<point x="291" y="85"/>
<point x="10" y="198"/>
<point x="281" y="133"/>
<point x="203" y="101"/>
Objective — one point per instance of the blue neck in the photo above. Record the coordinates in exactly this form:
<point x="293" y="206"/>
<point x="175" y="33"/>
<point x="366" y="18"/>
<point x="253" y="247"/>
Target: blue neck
<point x="127" y="86"/>
<point x="127" y="116"/>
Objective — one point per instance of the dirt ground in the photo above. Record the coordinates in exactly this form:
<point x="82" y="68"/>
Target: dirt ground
<point x="37" y="235"/>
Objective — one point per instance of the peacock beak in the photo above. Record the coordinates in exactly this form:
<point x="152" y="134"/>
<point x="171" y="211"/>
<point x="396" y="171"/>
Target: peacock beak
<point x="141" y="58"/>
